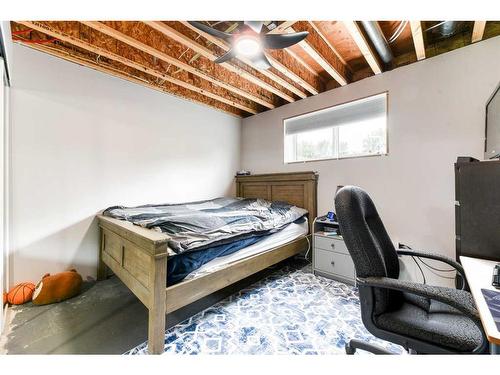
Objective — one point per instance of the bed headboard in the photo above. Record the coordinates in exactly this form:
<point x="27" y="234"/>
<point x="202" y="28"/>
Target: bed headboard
<point x="297" y="188"/>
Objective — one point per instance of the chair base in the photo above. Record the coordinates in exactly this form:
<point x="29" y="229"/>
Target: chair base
<point x="351" y="346"/>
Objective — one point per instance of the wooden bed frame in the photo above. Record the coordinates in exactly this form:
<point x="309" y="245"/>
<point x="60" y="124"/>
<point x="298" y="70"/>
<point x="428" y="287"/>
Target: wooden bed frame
<point x="138" y="256"/>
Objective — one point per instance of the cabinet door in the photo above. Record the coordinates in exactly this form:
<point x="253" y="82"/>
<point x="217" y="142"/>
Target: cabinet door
<point x="330" y="244"/>
<point x="334" y="263"/>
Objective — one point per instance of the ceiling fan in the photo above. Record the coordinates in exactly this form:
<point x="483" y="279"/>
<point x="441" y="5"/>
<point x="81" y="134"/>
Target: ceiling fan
<point x="250" y="41"/>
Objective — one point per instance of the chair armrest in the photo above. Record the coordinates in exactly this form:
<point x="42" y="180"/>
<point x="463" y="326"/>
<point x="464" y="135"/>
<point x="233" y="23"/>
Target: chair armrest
<point x="459" y="299"/>
<point x="457" y="266"/>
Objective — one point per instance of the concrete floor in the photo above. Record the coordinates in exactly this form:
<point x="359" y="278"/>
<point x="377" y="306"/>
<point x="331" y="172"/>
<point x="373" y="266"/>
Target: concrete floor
<point x="106" y="318"/>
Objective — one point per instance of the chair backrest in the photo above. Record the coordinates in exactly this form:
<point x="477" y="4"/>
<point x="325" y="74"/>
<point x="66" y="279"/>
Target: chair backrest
<point x="368" y="243"/>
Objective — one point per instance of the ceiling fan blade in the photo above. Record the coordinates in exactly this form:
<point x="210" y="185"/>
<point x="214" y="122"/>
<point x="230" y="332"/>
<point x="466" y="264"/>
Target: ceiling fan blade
<point x="278" y="41"/>
<point x="261" y="62"/>
<point x="255" y="25"/>
<point x="225" y="57"/>
<point x="210" y="30"/>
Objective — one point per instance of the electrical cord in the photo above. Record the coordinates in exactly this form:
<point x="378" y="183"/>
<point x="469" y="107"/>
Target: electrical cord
<point x="403" y="246"/>
<point x="420" y="268"/>
<point x="436" y="269"/>
<point x="398" y="31"/>
<point x="412" y="257"/>
<point x="439" y="275"/>
<point x="308" y="248"/>
<point x="434" y="26"/>
<point x="17" y="32"/>
<point x="432" y="269"/>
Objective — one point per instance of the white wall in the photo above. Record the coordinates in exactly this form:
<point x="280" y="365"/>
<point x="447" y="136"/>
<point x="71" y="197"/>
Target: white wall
<point x="3" y="102"/>
<point x="436" y="113"/>
<point x="4" y="163"/>
<point x="83" y="140"/>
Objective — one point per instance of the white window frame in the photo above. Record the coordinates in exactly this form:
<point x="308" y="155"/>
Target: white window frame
<point x="335" y="133"/>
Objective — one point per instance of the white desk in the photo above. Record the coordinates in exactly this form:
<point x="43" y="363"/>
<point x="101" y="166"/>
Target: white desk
<point x="479" y="273"/>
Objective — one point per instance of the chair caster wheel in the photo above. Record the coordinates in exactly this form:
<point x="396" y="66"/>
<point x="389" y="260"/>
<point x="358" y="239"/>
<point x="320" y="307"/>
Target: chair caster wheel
<point x="350" y="350"/>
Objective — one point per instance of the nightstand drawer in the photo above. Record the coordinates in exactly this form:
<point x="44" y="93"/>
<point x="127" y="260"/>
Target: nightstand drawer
<point x="330" y="244"/>
<point x="334" y="263"/>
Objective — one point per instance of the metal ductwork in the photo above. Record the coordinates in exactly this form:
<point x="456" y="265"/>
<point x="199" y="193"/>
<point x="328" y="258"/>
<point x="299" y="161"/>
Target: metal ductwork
<point x="378" y="40"/>
<point x="446" y="29"/>
<point x="449" y="28"/>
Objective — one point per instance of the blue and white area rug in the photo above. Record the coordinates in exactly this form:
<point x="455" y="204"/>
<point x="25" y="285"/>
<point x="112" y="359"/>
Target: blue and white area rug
<point x="289" y="312"/>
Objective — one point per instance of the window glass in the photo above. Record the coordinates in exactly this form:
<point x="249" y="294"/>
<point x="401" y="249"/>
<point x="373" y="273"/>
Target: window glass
<point x="354" y="129"/>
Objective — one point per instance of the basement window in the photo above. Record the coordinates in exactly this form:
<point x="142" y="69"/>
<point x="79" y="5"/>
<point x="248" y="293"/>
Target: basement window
<point x="354" y="129"/>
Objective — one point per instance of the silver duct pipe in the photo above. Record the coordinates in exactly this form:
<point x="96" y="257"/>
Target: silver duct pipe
<point x="378" y="40"/>
<point x="445" y="28"/>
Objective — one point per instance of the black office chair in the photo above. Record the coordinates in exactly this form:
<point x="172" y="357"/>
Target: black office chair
<point x="421" y="318"/>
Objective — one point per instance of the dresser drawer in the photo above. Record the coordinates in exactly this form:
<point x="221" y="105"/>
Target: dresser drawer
<point x="331" y="244"/>
<point x="334" y="263"/>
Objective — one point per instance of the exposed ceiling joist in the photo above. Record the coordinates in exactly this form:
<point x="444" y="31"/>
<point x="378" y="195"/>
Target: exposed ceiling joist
<point x="287" y="65"/>
<point x="112" y="56"/>
<point x="170" y="60"/>
<point x="286" y="71"/>
<point x="364" y="47"/>
<point x="174" y="57"/>
<point x="316" y="47"/>
<point x="418" y="39"/>
<point x="327" y="42"/>
<point x="478" y="31"/>
<point x="203" y="51"/>
<point x="301" y="61"/>
<point x="293" y="72"/>
<point x="281" y="28"/>
<point x="268" y="73"/>
<point x="93" y="65"/>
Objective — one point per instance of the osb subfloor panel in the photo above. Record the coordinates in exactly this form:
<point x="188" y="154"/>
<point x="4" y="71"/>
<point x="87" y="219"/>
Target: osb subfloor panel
<point x="106" y="318"/>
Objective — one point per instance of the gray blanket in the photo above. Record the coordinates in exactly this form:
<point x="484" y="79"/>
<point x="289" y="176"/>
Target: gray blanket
<point x="199" y="225"/>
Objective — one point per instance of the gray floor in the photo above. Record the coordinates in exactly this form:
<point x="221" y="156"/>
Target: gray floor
<point x="106" y="318"/>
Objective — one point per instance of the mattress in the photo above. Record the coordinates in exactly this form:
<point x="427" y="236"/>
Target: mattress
<point x="291" y="232"/>
<point x="202" y="225"/>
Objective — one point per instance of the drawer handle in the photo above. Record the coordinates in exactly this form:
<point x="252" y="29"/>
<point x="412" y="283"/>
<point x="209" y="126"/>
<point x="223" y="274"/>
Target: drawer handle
<point x="332" y="245"/>
<point x="332" y="263"/>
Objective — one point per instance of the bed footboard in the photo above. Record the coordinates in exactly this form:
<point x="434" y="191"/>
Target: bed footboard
<point x="138" y="257"/>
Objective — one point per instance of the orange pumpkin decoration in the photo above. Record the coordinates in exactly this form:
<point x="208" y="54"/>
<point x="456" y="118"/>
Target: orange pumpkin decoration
<point x="4" y="299"/>
<point x="21" y="293"/>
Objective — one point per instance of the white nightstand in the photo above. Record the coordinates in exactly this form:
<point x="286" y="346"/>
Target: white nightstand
<point x="330" y="256"/>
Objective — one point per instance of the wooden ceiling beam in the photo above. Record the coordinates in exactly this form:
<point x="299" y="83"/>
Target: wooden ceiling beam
<point x="203" y="51"/>
<point x="316" y="47"/>
<point x="310" y="85"/>
<point x="282" y="27"/>
<point x="302" y="62"/>
<point x="286" y="64"/>
<point x="478" y="31"/>
<point x="268" y="73"/>
<point x="327" y="42"/>
<point x="111" y="32"/>
<point x="198" y="98"/>
<point x="364" y="47"/>
<point x="123" y="75"/>
<point x="43" y="28"/>
<point x="418" y="39"/>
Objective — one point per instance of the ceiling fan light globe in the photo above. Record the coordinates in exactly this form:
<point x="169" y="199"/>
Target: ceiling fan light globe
<point x="248" y="46"/>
